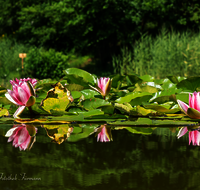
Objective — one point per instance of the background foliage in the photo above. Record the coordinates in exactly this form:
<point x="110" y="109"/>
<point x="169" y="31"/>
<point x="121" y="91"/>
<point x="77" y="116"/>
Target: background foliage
<point x="169" y="53"/>
<point x="97" y="27"/>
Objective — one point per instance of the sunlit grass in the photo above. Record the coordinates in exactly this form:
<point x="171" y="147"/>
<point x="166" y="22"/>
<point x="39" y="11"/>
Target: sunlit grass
<point x="169" y="53"/>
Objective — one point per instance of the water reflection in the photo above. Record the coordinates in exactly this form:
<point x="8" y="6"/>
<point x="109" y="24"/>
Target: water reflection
<point x="138" y="158"/>
<point x="104" y="134"/>
<point x="194" y="135"/>
<point x="23" y="136"/>
<point x="58" y="133"/>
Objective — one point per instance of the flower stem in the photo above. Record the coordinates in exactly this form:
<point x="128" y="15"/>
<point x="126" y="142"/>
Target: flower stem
<point x="31" y="111"/>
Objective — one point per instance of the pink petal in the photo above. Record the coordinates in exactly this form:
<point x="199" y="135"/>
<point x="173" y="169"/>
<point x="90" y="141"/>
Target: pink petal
<point x="19" y="111"/>
<point x="183" y="106"/>
<point x="25" y="144"/>
<point x="23" y="135"/>
<point x="182" y="132"/>
<point x="192" y="100"/>
<point x="11" y="98"/>
<point x="10" y="132"/>
<point x="23" y="95"/>
<point x="198" y="101"/>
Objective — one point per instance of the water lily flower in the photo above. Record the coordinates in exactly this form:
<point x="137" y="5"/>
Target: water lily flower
<point x="23" y="136"/>
<point x="23" y="94"/>
<point x="104" y="134"/>
<point x="193" y="109"/>
<point x="194" y="136"/>
<point x="103" y="86"/>
<point x="19" y="81"/>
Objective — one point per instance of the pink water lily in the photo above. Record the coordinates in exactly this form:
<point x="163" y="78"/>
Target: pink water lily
<point x="20" y="136"/>
<point x="194" y="136"/>
<point x="23" y="94"/>
<point x="193" y="109"/>
<point x="104" y="134"/>
<point x="19" y="81"/>
<point x="103" y="86"/>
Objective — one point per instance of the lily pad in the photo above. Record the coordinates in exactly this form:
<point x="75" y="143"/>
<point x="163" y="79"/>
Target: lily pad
<point x="161" y="109"/>
<point x="93" y="103"/>
<point x="3" y="112"/>
<point x="131" y="96"/>
<point x="149" y="122"/>
<point x="79" y="76"/>
<point x="56" y="100"/>
<point x="88" y="93"/>
<point x="191" y="83"/>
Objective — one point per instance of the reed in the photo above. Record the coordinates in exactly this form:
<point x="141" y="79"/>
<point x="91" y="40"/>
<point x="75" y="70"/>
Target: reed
<point x="169" y="53"/>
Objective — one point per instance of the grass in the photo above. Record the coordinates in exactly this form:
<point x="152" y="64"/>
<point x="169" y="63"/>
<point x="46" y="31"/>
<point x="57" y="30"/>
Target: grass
<point x="169" y="53"/>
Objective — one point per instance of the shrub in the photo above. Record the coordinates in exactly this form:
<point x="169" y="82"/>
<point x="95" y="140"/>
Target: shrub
<point x="41" y="63"/>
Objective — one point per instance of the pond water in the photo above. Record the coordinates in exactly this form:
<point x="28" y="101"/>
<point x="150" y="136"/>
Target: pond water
<point x="135" y="158"/>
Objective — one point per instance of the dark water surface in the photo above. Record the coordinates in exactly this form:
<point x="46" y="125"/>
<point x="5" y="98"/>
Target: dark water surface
<point x="158" y="161"/>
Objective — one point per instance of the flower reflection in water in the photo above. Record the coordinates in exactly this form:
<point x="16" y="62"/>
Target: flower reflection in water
<point x="104" y="134"/>
<point x="23" y="136"/>
<point x="194" y="136"/>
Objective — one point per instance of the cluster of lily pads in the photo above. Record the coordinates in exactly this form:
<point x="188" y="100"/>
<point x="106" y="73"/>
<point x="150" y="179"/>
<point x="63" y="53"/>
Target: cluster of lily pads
<point x="82" y="97"/>
<point x="109" y="102"/>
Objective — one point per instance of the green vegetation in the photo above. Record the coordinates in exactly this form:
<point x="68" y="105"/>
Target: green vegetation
<point x="97" y="28"/>
<point x="10" y="63"/>
<point x="169" y="53"/>
<point x="42" y="64"/>
<point x="135" y="100"/>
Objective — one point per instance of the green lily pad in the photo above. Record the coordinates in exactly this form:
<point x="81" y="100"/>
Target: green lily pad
<point x="131" y="96"/>
<point x="117" y="80"/>
<point x="133" y="79"/>
<point x="56" y="100"/>
<point x="108" y="109"/>
<point x="147" y="78"/>
<point x="191" y="83"/>
<point x="66" y="118"/>
<point x="3" y="112"/>
<point x="79" y="76"/>
<point x="125" y="108"/>
<point x="74" y="87"/>
<point x="92" y="113"/>
<point x="76" y="94"/>
<point x="146" y="88"/>
<point x="183" y="97"/>
<point x="149" y="122"/>
<point x="140" y="100"/>
<point x="93" y="103"/>
<point x="161" y="109"/>
<point x="143" y="111"/>
<point x="88" y="93"/>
